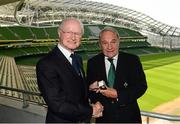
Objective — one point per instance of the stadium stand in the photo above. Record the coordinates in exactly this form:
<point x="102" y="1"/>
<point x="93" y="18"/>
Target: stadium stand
<point x="10" y="77"/>
<point x="20" y="78"/>
<point x="44" y="33"/>
<point x="28" y="76"/>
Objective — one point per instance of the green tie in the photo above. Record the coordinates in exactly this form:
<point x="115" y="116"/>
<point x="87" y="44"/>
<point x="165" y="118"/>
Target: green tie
<point x="111" y="73"/>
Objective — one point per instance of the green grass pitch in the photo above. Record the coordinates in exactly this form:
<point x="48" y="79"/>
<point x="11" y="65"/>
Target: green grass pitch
<point x="163" y="77"/>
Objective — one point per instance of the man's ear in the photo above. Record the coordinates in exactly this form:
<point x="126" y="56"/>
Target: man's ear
<point x="59" y="33"/>
<point x="99" y="44"/>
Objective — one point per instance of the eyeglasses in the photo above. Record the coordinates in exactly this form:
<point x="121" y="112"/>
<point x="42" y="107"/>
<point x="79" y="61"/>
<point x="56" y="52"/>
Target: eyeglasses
<point x="70" y="33"/>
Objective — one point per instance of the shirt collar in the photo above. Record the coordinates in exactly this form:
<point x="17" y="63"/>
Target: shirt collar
<point x="65" y="52"/>
<point x="114" y="58"/>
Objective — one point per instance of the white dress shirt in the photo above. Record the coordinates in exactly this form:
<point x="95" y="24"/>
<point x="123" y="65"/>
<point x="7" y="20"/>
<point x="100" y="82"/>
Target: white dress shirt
<point x="65" y="52"/>
<point x="108" y="64"/>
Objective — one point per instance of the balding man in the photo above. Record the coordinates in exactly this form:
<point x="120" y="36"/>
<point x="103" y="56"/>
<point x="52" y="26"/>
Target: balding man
<point x="61" y="79"/>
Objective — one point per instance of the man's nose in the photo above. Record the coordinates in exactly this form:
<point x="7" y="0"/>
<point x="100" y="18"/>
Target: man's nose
<point x="109" y="46"/>
<point x="73" y="36"/>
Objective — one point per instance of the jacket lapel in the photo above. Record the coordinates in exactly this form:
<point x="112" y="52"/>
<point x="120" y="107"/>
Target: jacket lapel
<point x="61" y="59"/>
<point x="120" y="73"/>
<point x="82" y="76"/>
<point x="102" y="70"/>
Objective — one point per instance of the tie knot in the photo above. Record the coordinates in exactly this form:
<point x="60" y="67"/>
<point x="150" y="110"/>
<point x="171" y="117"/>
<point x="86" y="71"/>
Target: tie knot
<point x="110" y="60"/>
<point x="72" y="55"/>
<point x="74" y="58"/>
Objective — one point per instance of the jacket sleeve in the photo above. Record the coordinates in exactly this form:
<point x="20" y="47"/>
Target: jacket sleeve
<point x="90" y="79"/>
<point x="55" y="96"/>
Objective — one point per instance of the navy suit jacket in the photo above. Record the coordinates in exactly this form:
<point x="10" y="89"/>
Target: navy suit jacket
<point x="130" y="83"/>
<point x="64" y="91"/>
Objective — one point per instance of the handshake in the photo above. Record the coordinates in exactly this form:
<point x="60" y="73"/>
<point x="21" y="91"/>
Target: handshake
<point x="97" y="110"/>
<point x="100" y="87"/>
<point x="97" y="107"/>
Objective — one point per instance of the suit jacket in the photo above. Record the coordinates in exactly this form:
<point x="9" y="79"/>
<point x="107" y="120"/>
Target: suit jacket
<point x="64" y="91"/>
<point x="130" y="83"/>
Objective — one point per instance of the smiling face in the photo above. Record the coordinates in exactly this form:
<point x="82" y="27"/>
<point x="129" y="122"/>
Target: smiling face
<point x="109" y="43"/>
<point x="70" y="34"/>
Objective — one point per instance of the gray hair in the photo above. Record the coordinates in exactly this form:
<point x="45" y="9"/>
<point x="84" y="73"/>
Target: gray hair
<point x="71" y="18"/>
<point x="111" y="29"/>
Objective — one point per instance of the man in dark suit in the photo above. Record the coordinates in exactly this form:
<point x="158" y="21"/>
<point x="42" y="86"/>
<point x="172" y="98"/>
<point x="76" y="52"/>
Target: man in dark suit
<point x="61" y="78"/>
<point x="124" y="80"/>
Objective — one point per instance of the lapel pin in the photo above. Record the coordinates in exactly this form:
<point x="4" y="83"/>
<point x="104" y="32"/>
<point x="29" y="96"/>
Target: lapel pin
<point x="125" y="84"/>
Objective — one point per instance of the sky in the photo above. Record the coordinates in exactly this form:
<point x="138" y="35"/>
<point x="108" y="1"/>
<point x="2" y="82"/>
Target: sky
<point x="165" y="11"/>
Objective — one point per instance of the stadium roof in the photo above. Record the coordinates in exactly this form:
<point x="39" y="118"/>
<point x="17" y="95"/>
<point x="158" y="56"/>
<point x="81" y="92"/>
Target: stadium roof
<point x="48" y="12"/>
<point x="4" y="2"/>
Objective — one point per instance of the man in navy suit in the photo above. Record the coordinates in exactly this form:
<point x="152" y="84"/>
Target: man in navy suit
<point x="61" y="79"/>
<point x="124" y="80"/>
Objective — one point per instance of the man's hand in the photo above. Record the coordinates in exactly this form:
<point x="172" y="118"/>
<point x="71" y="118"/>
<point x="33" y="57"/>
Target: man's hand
<point x="109" y="92"/>
<point x="97" y="110"/>
<point x="97" y="86"/>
